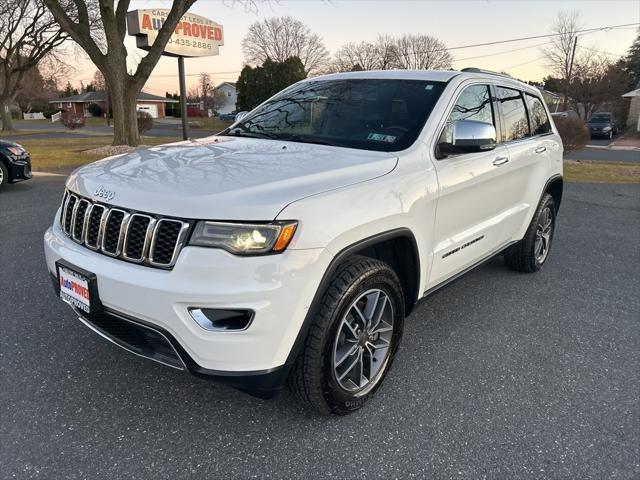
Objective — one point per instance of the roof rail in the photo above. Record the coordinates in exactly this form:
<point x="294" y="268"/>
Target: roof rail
<point x="489" y="72"/>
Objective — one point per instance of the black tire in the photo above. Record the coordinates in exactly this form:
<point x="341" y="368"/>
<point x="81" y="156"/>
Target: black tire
<point x="4" y="175"/>
<point x="313" y="377"/>
<point x="523" y="256"/>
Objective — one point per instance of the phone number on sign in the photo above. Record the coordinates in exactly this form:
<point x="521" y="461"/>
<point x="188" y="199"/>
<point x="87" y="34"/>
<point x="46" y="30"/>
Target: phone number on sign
<point x="191" y="43"/>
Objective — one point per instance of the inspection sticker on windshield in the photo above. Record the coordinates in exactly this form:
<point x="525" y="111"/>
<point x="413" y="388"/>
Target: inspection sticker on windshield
<point x="379" y="137"/>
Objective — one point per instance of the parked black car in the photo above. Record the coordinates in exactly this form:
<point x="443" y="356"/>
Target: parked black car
<point x="603" y="124"/>
<point x="228" y="117"/>
<point x="15" y="163"/>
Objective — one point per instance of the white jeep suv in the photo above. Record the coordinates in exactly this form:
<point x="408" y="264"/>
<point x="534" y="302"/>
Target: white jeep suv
<point x="290" y="247"/>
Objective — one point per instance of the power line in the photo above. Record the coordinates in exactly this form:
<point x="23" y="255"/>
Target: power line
<point x="502" y="52"/>
<point x="609" y="27"/>
<point x="602" y="51"/>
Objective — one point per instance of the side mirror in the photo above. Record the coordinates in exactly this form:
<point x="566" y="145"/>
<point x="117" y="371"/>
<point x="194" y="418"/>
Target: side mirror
<point x="240" y="116"/>
<point x="471" y="136"/>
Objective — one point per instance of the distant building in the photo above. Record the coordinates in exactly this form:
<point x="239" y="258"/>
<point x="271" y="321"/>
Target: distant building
<point x="633" y="120"/>
<point x="153" y="104"/>
<point x="227" y="96"/>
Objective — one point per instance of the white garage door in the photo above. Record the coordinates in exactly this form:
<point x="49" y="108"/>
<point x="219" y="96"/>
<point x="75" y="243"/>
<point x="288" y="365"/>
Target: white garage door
<point x="149" y="108"/>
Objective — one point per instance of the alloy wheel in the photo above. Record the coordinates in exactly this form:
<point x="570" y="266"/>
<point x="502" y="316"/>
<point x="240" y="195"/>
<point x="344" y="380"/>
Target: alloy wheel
<point x="363" y="342"/>
<point x="544" y="230"/>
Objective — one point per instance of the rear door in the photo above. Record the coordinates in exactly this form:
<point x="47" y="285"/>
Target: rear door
<point x="530" y="141"/>
<point x="471" y="204"/>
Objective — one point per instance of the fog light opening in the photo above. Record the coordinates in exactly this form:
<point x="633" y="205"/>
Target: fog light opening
<point x="215" y="319"/>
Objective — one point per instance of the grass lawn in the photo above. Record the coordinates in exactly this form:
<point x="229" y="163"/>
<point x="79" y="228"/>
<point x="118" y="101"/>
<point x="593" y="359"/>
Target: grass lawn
<point x="204" y="123"/>
<point x="601" y="172"/>
<point x="66" y="152"/>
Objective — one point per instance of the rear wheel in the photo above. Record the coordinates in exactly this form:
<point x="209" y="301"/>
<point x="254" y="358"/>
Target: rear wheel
<point x="530" y="253"/>
<point x="353" y="338"/>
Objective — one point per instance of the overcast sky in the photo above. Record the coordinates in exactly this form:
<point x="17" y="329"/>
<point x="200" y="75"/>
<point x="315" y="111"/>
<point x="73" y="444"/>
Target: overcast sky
<point x="454" y="22"/>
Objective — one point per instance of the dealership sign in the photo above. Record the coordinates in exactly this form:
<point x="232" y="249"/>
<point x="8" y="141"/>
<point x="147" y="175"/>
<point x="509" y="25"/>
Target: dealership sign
<point x="194" y="36"/>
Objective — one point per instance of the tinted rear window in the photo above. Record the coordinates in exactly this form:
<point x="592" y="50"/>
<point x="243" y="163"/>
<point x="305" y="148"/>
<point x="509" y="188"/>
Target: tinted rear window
<point x="514" y="115"/>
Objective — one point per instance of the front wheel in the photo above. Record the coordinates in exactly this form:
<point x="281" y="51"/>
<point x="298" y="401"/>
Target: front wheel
<point x="353" y="338"/>
<point x="530" y="253"/>
<point x="4" y="175"/>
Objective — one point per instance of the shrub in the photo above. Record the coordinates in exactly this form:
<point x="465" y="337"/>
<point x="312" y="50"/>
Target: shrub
<point x="72" y="120"/>
<point x="573" y="131"/>
<point x="95" y="109"/>
<point x="145" y="122"/>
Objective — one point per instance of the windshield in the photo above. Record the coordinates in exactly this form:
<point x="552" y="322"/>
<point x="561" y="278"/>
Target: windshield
<point x="600" y="119"/>
<point x="370" y="114"/>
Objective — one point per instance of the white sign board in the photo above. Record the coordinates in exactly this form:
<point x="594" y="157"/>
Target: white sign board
<point x="194" y="36"/>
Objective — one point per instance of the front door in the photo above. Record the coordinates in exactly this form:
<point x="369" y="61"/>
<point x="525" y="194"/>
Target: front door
<point x="471" y="208"/>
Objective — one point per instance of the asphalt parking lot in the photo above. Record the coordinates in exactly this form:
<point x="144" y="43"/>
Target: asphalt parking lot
<point x="500" y="375"/>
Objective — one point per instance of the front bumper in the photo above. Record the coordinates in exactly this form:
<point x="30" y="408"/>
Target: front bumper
<point x="19" y="169"/>
<point x="278" y="288"/>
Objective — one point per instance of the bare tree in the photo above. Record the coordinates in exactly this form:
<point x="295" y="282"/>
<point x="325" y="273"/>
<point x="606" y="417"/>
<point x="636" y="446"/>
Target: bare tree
<point x="356" y="56"/>
<point x="206" y="87"/>
<point x="560" y="54"/>
<point x="596" y="82"/>
<point x="387" y="51"/>
<point x="280" y="38"/>
<point x="421" y="52"/>
<point x="110" y="56"/>
<point x="98" y="81"/>
<point x="28" y="35"/>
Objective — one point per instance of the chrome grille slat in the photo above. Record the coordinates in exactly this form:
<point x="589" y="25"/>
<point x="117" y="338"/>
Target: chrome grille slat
<point x="78" y="220"/>
<point x="178" y="229"/>
<point x="132" y="236"/>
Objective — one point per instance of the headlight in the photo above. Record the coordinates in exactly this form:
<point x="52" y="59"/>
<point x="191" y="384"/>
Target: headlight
<point x="244" y="238"/>
<point x="17" y="150"/>
<point x="606" y="129"/>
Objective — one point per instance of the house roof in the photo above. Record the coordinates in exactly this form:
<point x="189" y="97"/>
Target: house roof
<point x="89" y="97"/>
<point x="632" y="93"/>
<point x="225" y="83"/>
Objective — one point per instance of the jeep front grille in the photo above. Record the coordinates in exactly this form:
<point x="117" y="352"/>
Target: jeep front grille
<point x="128" y="235"/>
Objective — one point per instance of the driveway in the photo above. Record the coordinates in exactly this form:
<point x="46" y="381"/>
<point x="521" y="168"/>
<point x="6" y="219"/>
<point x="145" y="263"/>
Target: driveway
<point x="500" y="375"/>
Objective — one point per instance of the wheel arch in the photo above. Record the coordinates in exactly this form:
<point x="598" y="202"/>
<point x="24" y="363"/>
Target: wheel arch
<point x="554" y="187"/>
<point x="397" y="247"/>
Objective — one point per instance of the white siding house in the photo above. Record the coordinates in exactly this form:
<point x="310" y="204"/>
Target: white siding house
<point x="228" y="97"/>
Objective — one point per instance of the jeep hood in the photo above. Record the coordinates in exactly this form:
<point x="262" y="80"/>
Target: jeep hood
<point x="226" y="178"/>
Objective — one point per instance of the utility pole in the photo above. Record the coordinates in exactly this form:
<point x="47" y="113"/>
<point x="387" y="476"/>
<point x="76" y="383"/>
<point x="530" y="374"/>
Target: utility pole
<point x="566" y="87"/>
<point x="183" y="98"/>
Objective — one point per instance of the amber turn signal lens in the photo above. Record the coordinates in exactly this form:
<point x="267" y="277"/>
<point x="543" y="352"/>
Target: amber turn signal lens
<point x="286" y="234"/>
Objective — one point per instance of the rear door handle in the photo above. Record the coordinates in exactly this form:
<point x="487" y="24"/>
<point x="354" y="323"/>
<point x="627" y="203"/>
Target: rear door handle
<point x="500" y="161"/>
<point x="541" y="149"/>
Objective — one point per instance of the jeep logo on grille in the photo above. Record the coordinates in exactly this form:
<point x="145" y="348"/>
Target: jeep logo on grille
<point x="101" y="192"/>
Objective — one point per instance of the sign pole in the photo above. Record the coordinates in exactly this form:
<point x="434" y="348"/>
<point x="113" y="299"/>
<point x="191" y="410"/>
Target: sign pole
<point x="183" y="98"/>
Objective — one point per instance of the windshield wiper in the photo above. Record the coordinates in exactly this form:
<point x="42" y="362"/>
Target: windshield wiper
<point x="305" y="139"/>
<point x="242" y="133"/>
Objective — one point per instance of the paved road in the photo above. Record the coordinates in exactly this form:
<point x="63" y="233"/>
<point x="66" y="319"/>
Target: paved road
<point x="605" y="155"/>
<point x="501" y="375"/>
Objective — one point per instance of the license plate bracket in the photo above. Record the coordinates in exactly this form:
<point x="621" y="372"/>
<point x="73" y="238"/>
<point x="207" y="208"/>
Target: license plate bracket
<point x="78" y="287"/>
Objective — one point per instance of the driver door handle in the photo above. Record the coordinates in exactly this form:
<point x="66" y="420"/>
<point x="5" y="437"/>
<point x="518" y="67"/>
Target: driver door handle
<point x="500" y="161"/>
<point x="541" y="149"/>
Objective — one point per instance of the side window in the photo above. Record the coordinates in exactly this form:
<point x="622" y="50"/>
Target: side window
<point x="514" y="114"/>
<point x="474" y="103"/>
<point x="538" y="115"/>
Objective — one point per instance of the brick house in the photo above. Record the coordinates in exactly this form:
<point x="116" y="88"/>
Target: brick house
<point x="153" y="104"/>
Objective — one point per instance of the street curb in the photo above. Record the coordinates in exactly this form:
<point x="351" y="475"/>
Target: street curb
<point x="600" y="147"/>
